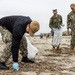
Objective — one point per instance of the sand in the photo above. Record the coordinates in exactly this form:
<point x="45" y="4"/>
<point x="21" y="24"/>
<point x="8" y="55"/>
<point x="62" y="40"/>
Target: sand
<point x="47" y="61"/>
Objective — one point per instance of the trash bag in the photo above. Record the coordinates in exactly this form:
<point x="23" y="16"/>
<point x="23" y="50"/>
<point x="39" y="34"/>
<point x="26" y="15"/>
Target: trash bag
<point x="57" y="37"/>
<point x="32" y="50"/>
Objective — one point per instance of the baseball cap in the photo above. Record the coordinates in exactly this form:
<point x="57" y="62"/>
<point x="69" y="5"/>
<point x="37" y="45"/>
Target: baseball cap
<point x="34" y="27"/>
<point x="55" y="10"/>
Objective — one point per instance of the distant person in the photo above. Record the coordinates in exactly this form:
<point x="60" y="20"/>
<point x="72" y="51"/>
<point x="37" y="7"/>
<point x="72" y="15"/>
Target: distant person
<point x="41" y="36"/>
<point x="71" y="25"/>
<point x="47" y="35"/>
<point x="55" y="24"/>
<point x="17" y="26"/>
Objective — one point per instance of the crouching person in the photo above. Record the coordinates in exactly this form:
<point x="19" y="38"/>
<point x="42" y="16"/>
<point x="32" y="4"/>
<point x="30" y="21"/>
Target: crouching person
<point x="14" y="40"/>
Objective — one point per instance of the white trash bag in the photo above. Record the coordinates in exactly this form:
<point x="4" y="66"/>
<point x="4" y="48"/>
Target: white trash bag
<point x="57" y="37"/>
<point x="32" y="50"/>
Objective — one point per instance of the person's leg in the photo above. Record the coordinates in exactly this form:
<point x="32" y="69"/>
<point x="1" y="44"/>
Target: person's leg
<point x="5" y="56"/>
<point x="57" y="40"/>
<point x="6" y="37"/>
<point x="23" y="47"/>
<point x="53" y="47"/>
<point x="72" y="41"/>
<point x="58" y="47"/>
<point x="24" y="52"/>
<point x="59" y="37"/>
<point x="6" y="53"/>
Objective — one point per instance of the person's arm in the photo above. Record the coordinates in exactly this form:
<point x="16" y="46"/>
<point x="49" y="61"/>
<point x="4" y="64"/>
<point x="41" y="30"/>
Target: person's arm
<point x="68" y="23"/>
<point x="15" y="46"/>
<point x="18" y="32"/>
<point x="61" y="22"/>
<point x="14" y="51"/>
<point x="50" y="23"/>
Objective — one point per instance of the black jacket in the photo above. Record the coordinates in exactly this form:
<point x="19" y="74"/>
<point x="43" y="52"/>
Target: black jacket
<point x="17" y="26"/>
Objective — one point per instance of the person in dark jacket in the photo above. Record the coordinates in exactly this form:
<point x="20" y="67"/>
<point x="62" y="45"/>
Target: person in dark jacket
<point x="18" y="25"/>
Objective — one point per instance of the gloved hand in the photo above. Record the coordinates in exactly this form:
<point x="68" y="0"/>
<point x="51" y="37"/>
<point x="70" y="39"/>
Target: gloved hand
<point x="15" y="66"/>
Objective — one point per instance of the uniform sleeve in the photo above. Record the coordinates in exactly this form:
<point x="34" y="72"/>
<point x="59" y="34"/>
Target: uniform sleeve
<point x="61" y="20"/>
<point x="50" y="23"/>
<point x="68" y="22"/>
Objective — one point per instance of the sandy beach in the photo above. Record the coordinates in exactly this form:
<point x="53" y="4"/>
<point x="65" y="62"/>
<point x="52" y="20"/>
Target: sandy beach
<point x="47" y="61"/>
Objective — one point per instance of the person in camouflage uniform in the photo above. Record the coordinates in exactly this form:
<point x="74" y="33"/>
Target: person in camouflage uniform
<point x="71" y="25"/>
<point x="17" y="25"/>
<point x="55" y="22"/>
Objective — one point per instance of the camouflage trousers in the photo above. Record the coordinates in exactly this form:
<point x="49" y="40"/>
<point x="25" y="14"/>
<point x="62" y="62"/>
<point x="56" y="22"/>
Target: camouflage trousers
<point x="73" y="38"/>
<point x="7" y="39"/>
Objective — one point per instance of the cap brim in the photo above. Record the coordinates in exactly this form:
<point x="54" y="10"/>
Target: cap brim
<point x="31" y="33"/>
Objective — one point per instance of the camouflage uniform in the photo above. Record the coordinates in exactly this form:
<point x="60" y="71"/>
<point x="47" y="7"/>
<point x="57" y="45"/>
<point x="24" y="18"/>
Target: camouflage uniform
<point x="7" y="39"/>
<point x="55" y="22"/>
<point x="71" y="25"/>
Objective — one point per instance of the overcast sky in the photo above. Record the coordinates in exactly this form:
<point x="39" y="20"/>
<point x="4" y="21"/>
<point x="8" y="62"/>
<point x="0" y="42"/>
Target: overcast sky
<point x="40" y="10"/>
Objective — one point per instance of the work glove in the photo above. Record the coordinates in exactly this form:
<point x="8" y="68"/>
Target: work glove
<point x="15" y="66"/>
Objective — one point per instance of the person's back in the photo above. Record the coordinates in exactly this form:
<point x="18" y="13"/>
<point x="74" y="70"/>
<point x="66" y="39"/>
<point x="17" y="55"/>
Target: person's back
<point x="9" y="22"/>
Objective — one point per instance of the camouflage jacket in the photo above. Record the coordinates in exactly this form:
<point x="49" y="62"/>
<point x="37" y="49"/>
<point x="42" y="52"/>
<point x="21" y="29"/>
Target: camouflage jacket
<point x="71" y="20"/>
<point x="55" y="22"/>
